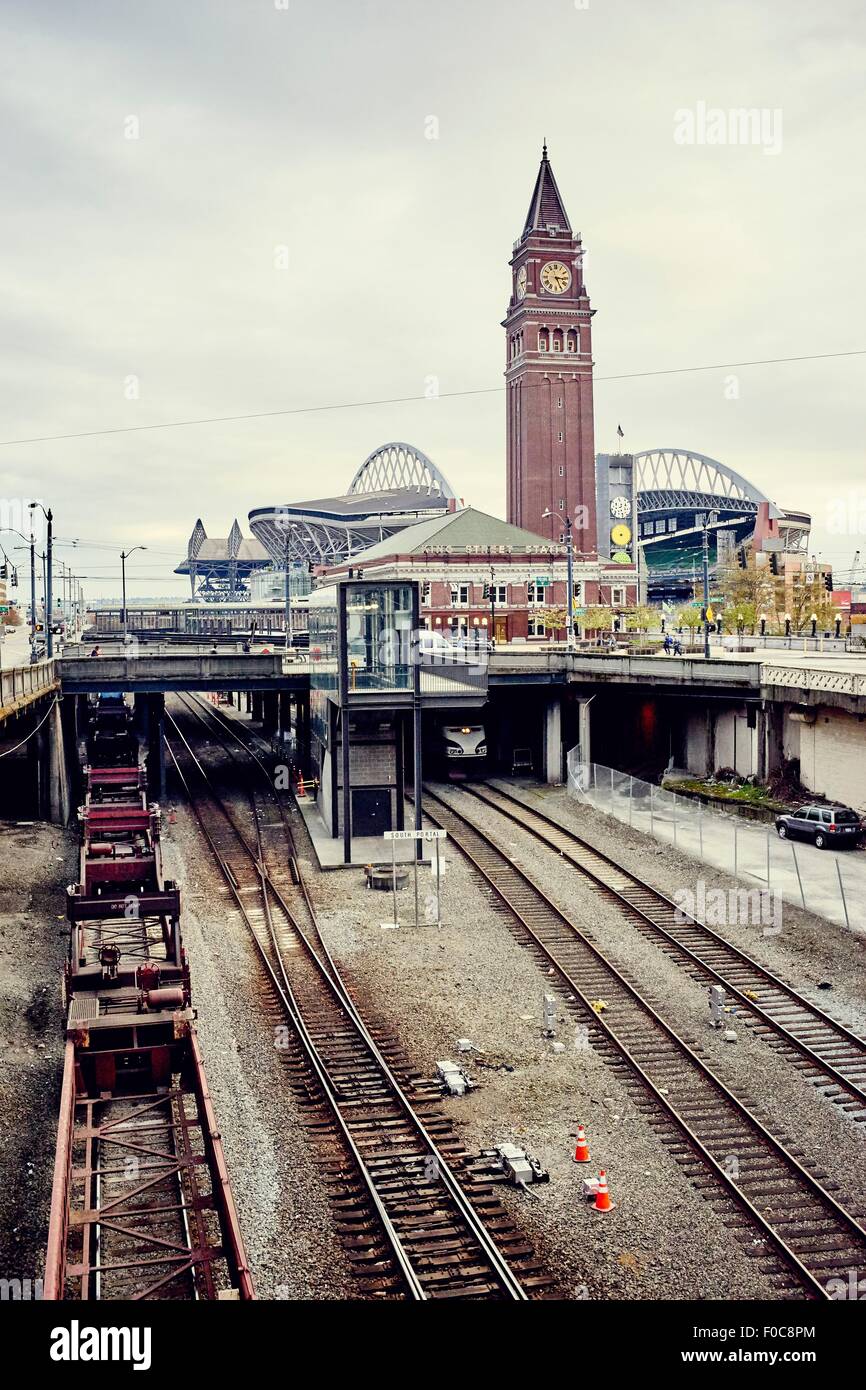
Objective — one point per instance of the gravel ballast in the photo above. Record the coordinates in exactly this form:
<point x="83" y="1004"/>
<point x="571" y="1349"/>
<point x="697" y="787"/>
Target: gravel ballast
<point x="285" y="1217"/>
<point x="37" y="862"/>
<point x="471" y="979"/>
<point x="776" y="1090"/>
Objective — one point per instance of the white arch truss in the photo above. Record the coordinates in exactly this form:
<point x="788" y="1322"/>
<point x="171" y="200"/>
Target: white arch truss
<point x="682" y="471"/>
<point x="396" y="465"/>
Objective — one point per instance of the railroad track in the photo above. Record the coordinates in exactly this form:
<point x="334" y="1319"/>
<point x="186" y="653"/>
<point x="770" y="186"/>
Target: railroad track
<point x="723" y="1145"/>
<point x="419" y="1217"/>
<point x="827" y="1053"/>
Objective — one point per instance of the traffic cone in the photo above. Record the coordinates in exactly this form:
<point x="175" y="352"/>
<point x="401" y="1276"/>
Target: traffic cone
<point x="602" y="1196"/>
<point x="301" y="788"/>
<point x="581" y="1148"/>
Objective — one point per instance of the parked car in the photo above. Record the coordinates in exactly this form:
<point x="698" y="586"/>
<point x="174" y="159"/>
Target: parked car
<point x="825" y="826"/>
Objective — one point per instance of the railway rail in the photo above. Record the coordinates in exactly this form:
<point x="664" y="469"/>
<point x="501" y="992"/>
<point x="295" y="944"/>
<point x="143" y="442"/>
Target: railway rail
<point x="809" y="1235"/>
<point x="420" y="1218"/>
<point x="830" y="1055"/>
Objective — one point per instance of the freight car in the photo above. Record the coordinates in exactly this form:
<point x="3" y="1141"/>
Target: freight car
<point x="110" y="737"/>
<point x="141" y="1204"/>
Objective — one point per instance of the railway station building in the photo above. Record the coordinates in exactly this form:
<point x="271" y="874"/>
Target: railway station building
<point x="486" y="578"/>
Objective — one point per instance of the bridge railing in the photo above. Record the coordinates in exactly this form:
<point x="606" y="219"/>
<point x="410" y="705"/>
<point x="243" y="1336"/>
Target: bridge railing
<point x="829" y="884"/>
<point x="23" y="682"/>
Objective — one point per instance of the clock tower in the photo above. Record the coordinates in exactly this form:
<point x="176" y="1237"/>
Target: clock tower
<point x="548" y="374"/>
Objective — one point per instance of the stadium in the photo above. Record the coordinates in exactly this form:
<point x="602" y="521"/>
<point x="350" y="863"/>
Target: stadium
<point x="396" y="486"/>
<point x="677" y="490"/>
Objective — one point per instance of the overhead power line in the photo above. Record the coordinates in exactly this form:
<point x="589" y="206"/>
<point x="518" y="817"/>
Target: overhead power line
<point x="403" y="400"/>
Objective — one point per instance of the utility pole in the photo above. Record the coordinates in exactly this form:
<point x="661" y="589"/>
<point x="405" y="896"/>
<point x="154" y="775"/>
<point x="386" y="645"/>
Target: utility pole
<point x="124" y="556"/>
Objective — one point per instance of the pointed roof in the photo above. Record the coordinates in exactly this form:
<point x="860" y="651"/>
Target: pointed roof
<point x="546" y="208"/>
<point x="465" y="531"/>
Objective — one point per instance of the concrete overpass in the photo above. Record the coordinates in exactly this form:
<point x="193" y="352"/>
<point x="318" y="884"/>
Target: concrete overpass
<point x="751" y="711"/>
<point x="175" y="670"/>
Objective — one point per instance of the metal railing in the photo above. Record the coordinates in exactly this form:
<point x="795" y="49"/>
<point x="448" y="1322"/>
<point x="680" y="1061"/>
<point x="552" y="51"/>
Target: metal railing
<point x="828" y="883"/>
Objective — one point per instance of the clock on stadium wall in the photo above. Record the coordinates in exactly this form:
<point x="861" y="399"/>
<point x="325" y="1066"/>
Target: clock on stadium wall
<point x="620" y="507"/>
<point x="620" y="534"/>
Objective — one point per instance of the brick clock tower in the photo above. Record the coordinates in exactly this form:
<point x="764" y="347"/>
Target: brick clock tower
<point x="551" y="444"/>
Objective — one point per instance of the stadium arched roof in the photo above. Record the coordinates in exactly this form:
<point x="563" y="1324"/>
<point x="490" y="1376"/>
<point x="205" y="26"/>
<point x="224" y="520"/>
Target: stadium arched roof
<point x="668" y="478"/>
<point x="397" y="485"/>
<point x="398" y="465"/>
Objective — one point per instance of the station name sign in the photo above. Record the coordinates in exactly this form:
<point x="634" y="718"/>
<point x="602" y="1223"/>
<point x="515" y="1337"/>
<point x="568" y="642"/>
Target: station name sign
<point x="415" y="834"/>
<point x="485" y="550"/>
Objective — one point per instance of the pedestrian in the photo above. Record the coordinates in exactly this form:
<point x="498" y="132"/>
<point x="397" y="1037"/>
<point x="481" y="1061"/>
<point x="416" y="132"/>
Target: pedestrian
<point x="667" y="643"/>
<point x="95" y="652"/>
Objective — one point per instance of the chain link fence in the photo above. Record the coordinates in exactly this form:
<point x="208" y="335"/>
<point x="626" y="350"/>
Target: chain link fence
<point x="831" y="885"/>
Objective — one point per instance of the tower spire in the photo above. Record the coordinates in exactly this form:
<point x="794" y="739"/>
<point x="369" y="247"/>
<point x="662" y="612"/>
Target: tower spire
<point x="546" y="209"/>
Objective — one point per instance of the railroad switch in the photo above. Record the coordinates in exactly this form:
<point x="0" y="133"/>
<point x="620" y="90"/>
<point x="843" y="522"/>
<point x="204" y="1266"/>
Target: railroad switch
<point x="519" y="1168"/>
<point x="454" y="1078"/>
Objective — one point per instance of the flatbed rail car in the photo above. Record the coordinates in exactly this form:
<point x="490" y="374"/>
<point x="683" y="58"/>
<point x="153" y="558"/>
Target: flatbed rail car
<point x="141" y="1204"/>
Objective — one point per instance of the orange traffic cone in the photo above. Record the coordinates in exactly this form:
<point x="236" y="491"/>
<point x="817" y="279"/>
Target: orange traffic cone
<point x="301" y="788"/>
<point x="602" y="1196"/>
<point x="581" y="1148"/>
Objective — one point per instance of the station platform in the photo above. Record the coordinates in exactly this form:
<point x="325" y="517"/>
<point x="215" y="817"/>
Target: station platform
<point x="366" y="849"/>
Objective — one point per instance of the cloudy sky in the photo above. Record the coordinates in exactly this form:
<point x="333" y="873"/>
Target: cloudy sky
<point x="224" y="207"/>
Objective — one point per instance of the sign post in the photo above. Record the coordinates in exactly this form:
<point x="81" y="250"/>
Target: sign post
<point x="415" y="836"/>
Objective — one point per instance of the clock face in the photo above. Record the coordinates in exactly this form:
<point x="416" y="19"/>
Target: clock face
<point x="620" y="506"/>
<point x="620" y="534"/>
<point x="555" y="277"/>
<point x="520" y="283"/>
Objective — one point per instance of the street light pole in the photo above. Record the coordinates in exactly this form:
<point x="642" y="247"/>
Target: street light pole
<point x="289" y="634"/>
<point x="49" y="590"/>
<point x="569" y="550"/>
<point x="49" y="517"/>
<point x="569" y="628"/>
<point x="32" y="593"/>
<point x="706" y="567"/>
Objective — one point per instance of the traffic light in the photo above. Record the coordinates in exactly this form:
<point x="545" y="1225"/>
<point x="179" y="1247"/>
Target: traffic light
<point x="487" y="592"/>
<point x="774" y="562"/>
<point x="828" y="582"/>
<point x="741" y="557"/>
<point x="4" y="571"/>
<point x="425" y="592"/>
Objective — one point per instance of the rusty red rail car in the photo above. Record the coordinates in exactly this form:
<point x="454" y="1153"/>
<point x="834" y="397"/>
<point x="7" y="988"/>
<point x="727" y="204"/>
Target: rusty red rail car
<point x="141" y="1204"/>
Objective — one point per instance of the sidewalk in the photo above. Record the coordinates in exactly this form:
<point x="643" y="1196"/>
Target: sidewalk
<point x="829" y="883"/>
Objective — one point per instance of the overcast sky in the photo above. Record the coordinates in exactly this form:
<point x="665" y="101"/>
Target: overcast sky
<point x="142" y="278"/>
